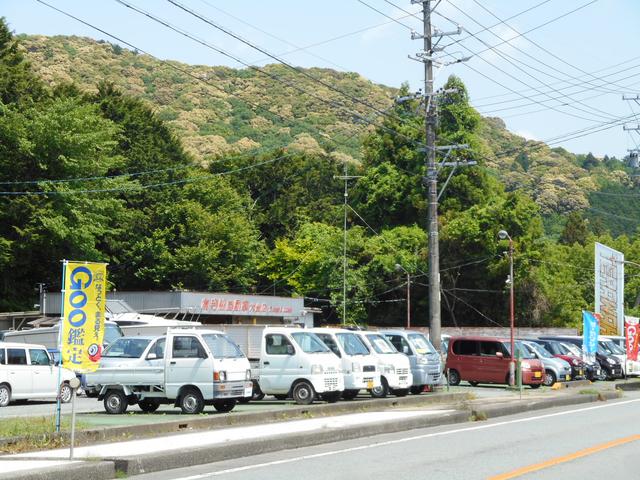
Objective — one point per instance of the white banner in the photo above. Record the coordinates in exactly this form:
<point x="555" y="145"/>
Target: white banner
<point x="609" y="293"/>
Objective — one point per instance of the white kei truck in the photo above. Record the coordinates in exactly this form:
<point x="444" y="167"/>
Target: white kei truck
<point x="289" y="362"/>
<point x="359" y="366"/>
<point x="189" y="368"/>
<point x="395" y="367"/>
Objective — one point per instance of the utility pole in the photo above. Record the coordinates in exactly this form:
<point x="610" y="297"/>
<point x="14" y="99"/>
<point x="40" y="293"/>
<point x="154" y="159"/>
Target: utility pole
<point x="346" y="179"/>
<point x="431" y="180"/>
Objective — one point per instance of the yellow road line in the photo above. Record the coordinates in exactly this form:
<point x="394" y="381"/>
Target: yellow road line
<point x="566" y="458"/>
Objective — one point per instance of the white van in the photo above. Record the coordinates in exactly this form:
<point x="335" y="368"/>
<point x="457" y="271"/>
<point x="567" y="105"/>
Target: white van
<point x="616" y="346"/>
<point x="27" y="372"/>
<point x="296" y="363"/>
<point x="359" y="366"/>
<point x="395" y="368"/>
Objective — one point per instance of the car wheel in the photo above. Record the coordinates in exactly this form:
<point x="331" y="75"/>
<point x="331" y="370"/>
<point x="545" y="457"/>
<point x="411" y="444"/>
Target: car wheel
<point x="549" y="378"/>
<point x="115" y="402"/>
<point x="148" y="405"/>
<point x="535" y="385"/>
<point x="5" y="395"/>
<point x="350" y="394"/>
<point x="303" y="393"/>
<point x="454" y="377"/>
<point x="224" y="406"/>
<point x="382" y="390"/>
<point x="65" y="393"/>
<point x="191" y="401"/>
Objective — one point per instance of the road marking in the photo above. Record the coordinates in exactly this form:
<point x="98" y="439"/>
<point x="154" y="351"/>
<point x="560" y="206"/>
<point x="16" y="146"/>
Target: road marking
<point x="400" y="440"/>
<point x="566" y="458"/>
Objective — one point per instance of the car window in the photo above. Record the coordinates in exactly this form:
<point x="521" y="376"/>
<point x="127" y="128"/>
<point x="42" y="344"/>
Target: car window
<point x="16" y="356"/>
<point x="309" y="342"/>
<point x="352" y="344"/>
<point x="276" y="344"/>
<point x="400" y="343"/>
<point x="187" y="347"/>
<point x="330" y="342"/>
<point x="2" y="356"/>
<point x="421" y="344"/>
<point x="380" y="344"/>
<point x="127" y="347"/>
<point x="221" y="346"/>
<point x="39" y="357"/>
<point x="489" y="349"/>
<point x="159" y="347"/>
<point x="465" y="347"/>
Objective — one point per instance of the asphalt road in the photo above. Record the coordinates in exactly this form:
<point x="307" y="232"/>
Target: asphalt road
<point x="593" y="441"/>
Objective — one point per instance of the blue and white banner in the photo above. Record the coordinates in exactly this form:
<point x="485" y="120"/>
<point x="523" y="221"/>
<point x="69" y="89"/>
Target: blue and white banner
<point x="590" y="332"/>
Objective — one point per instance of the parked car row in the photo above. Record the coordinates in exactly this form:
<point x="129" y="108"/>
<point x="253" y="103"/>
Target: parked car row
<point x="544" y="360"/>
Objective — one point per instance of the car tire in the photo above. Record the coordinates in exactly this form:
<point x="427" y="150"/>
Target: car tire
<point x="535" y="385"/>
<point x="382" y="390"/>
<point x="473" y="384"/>
<point x="5" y="395"/>
<point x="303" y="393"/>
<point x="65" y="393"/>
<point x="350" y="394"/>
<point x="549" y="379"/>
<point x="454" y="377"/>
<point x="224" y="406"/>
<point x="115" y="402"/>
<point x="191" y="401"/>
<point x="148" y="405"/>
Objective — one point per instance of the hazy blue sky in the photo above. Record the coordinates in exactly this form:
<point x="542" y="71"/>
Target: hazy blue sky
<point x="562" y="77"/>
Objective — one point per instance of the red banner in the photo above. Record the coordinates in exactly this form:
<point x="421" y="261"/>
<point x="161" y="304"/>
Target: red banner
<point x="632" y="333"/>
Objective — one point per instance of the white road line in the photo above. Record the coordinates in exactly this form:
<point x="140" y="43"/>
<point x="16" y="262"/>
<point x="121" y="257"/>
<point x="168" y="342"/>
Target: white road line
<point x="401" y="440"/>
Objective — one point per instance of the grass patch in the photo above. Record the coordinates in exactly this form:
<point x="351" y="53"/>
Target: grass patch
<point x="33" y="433"/>
<point x="588" y="391"/>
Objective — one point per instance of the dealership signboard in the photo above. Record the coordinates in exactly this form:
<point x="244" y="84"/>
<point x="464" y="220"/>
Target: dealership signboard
<point x="609" y="292"/>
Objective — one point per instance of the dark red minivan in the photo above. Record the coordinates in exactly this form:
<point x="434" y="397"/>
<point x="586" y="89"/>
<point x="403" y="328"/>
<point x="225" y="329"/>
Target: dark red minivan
<point x="486" y="360"/>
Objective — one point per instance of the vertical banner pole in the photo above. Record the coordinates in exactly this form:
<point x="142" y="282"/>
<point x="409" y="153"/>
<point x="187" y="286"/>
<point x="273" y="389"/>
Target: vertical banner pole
<point x="60" y="328"/>
<point x="73" y="422"/>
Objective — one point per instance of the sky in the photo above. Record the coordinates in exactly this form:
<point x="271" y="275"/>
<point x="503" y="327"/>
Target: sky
<point x="553" y="70"/>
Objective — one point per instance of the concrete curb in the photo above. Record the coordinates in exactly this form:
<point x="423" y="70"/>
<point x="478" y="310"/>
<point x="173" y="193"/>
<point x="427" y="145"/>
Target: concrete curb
<point x="97" y="470"/>
<point x="224" y="420"/>
<point x="628" y="386"/>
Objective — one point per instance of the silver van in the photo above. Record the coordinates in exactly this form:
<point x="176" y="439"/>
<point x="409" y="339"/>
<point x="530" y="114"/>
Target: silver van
<point x="425" y="360"/>
<point x="555" y="369"/>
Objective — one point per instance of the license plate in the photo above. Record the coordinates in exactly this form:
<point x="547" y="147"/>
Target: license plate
<point x="537" y="374"/>
<point x="580" y="372"/>
<point x="567" y="377"/>
<point x="370" y="384"/>
<point x="248" y="391"/>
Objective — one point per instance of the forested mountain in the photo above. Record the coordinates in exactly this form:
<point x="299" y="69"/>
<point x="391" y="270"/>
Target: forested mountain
<point x="200" y="177"/>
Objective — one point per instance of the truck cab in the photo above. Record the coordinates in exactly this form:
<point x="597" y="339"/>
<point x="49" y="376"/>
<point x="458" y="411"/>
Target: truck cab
<point x="359" y="366"/>
<point x="295" y="363"/>
<point x="395" y="368"/>
<point x="425" y="361"/>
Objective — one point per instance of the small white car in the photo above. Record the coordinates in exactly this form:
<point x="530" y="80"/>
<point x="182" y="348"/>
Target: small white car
<point x="28" y="372"/>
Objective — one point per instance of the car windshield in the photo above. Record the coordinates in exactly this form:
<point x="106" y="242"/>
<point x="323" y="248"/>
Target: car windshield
<point x="352" y="344"/>
<point x="421" y="344"/>
<point x="127" y="347"/>
<point x="540" y="350"/>
<point x="112" y="332"/>
<point x="221" y="346"/>
<point x="572" y="349"/>
<point x="611" y="348"/>
<point x="309" y="342"/>
<point x="380" y="344"/>
<point x="524" y="352"/>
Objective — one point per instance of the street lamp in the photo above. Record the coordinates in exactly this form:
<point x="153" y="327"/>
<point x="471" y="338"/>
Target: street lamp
<point x="400" y="267"/>
<point x="503" y="235"/>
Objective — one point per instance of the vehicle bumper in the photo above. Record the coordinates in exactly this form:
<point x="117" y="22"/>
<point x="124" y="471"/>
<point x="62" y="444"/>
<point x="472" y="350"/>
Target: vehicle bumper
<point x="578" y="372"/>
<point x="633" y="368"/>
<point x="361" y="381"/>
<point x="532" y="377"/>
<point x="613" y="371"/>
<point x="399" y="380"/>
<point x="327" y="383"/>
<point x="237" y="389"/>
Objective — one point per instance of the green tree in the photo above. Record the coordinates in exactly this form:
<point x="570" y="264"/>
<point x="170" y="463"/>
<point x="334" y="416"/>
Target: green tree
<point x="576" y="230"/>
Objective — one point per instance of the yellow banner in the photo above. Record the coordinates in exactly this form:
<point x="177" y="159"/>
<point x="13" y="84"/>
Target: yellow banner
<point x="83" y="315"/>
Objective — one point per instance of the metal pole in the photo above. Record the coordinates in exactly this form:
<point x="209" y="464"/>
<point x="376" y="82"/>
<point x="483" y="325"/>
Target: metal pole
<point x="73" y="422"/>
<point x="511" y="314"/>
<point x="344" y="252"/>
<point x="408" y="300"/>
<point x="60" y="328"/>
<point x="432" y="183"/>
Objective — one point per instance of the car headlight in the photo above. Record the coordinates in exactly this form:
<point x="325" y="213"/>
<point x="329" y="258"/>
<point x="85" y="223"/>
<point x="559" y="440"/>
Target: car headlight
<point x="422" y="361"/>
<point x="247" y="375"/>
<point x="610" y="362"/>
<point x="315" y="369"/>
<point x="355" y="367"/>
<point x="526" y="366"/>
<point x="220" y="376"/>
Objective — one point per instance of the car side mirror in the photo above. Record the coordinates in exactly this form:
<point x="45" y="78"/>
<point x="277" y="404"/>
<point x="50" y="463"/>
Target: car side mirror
<point x="499" y="354"/>
<point x="290" y="350"/>
<point x="405" y="350"/>
<point x="152" y="356"/>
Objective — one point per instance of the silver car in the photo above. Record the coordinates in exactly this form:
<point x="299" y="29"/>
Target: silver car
<point x="555" y="369"/>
